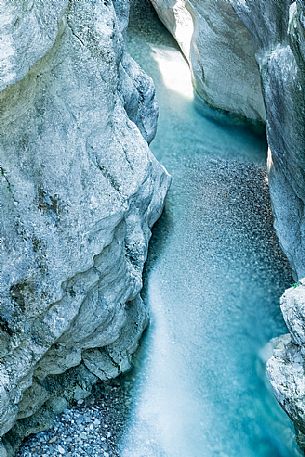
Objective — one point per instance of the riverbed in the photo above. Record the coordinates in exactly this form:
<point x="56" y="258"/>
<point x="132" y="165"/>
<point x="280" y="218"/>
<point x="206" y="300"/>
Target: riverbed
<point x="213" y="280"/>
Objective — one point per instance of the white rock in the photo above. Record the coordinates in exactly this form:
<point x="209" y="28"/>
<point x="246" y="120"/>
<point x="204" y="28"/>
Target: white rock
<point x="79" y="192"/>
<point x="221" y="53"/>
<point x="286" y="366"/>
<point x="61" y="450"/>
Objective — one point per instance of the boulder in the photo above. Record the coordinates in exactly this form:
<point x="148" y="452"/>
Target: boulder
<point x="79" y="192"/>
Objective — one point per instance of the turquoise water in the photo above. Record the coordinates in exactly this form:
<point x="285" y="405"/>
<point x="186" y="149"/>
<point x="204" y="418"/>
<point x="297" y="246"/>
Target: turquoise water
<point x="213" y="278"/>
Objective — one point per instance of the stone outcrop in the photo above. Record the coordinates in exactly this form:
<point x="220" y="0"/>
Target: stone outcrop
<point x="286" y="367"/>
<point x="234" y="44"/>
<point x="221" y="53"/>
<point x="80" y="191"/>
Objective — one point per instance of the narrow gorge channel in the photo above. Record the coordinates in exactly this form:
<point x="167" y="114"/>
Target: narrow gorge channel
<point x="214" y="276"/>
<point x="80" y="193"/>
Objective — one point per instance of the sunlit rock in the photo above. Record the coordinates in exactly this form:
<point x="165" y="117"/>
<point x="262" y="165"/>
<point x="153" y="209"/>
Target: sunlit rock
<point x="221" y="53"/>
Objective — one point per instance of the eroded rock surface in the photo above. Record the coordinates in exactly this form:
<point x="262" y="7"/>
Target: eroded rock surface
<point x="221" y="53"/>
<point x="286" y="367"/>
<point x="79" y="191"/>
<point x="281" y="59"/>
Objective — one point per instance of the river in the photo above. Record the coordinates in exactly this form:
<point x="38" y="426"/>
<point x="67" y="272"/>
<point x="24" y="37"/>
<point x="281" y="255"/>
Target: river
<point x="213" y="279"/>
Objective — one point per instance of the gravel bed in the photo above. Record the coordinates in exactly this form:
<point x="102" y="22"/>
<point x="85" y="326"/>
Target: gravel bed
<point x="92" y="427"/>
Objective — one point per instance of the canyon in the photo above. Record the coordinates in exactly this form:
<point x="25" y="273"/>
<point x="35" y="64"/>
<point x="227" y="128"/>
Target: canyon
<point x="248" y="58"/>
<point x="81" y="190"/>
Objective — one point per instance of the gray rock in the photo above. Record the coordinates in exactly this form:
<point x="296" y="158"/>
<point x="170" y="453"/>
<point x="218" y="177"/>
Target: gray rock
<point x="286" y="374"/>
<point x="285" y="368"/>
<point x="79" y="192"/>
<point x="221" y="53"/>
<point x="281" y="59"/>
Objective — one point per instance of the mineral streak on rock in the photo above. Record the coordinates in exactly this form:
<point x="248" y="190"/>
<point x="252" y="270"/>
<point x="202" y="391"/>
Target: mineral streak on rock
<point x="79" y="192"/>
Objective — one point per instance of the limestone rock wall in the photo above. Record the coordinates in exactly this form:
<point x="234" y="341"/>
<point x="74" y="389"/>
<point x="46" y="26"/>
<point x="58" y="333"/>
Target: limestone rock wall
<point x="221" y="53"/>
<point x="79" y="192"/>
<point x="281" y="59"/>
<point x="286" y="367"/>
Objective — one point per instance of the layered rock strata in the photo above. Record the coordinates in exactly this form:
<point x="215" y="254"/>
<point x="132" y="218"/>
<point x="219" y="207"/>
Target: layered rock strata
<point x="80" y="191"/>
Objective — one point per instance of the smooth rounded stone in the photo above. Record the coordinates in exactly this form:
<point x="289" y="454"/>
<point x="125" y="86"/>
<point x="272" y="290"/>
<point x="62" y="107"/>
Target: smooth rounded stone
<point x="80" y="191"/>
<point x="61" y="450"/>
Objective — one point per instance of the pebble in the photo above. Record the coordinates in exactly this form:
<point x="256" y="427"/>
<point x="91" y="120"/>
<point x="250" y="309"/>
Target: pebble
<point x="77" y="432"/>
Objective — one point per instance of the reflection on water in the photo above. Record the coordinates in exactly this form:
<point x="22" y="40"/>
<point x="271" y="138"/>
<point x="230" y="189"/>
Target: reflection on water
<point x="213" y="279"/>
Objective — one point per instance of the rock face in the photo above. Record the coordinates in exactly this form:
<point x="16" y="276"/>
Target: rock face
<point x="234" y="44"/>
<point x="281" y="59"/>
<point x="286" y="367"/>
<point x="79" y="192"/>
<point x="221" y="53"/>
